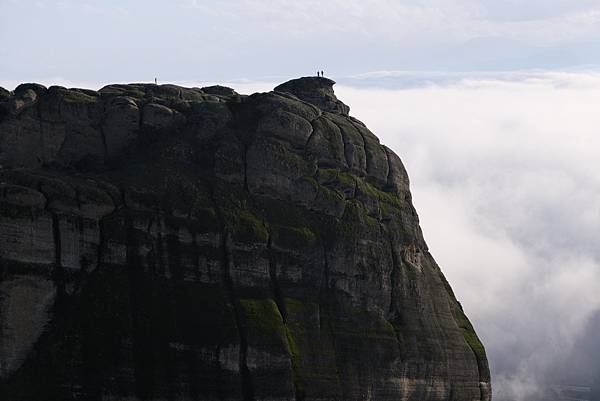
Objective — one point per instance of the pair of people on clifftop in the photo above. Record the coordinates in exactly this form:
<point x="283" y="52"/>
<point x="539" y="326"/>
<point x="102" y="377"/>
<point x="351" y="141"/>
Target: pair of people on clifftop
<point x="320" y="73"/>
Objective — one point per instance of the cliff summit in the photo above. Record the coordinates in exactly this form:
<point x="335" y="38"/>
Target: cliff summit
<point x="167" y="243"/>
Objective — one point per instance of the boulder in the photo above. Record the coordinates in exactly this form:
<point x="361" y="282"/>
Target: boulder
<point x="317" y="91"/>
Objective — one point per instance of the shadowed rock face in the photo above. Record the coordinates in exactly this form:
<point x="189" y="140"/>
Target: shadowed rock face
<point x="167" y="243"/>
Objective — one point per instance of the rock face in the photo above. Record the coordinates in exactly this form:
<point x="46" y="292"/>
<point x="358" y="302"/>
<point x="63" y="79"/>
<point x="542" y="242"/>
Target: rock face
<point x="166" y="243"/>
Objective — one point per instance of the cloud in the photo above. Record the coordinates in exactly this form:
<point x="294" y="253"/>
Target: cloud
<point x="504" y="177"/>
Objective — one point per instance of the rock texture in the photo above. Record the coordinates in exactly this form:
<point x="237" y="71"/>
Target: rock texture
<point x="167" y="243"/>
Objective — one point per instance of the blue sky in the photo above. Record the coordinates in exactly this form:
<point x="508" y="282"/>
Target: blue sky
<point x="493" y="106"/>
<point x="100" y="41"/>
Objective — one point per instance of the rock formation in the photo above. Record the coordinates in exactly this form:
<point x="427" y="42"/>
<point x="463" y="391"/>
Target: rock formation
<point x="168" y="243"/>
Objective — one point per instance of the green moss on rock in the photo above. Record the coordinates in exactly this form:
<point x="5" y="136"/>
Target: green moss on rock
<point x="76" y="97"/>
<point x="293" y="237"/>
<point x="389" y="198"/>
<point x="399" y="331"/>
<point x="299" y="384"/>
<point x="470" y="336"/>
<point x="249" y="226"/>
<point x="356" y="221"/>
<point x="262" y="317"/>
<point x="334" y="175"/>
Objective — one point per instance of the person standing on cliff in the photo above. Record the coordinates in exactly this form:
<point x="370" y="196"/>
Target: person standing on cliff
<point x="321" y="73"/>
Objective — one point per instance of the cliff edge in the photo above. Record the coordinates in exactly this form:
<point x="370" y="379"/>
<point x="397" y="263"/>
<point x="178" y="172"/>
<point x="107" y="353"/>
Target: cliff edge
<point x="170" y="243"/>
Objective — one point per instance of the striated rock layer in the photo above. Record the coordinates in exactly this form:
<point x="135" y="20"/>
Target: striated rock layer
<point x="167" y="243"/>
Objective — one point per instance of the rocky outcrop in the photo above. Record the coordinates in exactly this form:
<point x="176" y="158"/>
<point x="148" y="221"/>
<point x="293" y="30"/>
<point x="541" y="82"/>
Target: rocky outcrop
<point x="159" y="242"/>
<point x="316" y="91"/>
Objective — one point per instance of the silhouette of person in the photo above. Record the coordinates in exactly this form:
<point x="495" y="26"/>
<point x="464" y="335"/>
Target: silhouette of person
<point x="321" y="73"/>
<point x="155" y="81"/>
<point x="318" y="74"/>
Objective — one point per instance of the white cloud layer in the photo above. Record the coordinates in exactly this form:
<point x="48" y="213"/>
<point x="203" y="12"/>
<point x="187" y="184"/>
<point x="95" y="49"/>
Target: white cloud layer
<point x="505" y="179"/>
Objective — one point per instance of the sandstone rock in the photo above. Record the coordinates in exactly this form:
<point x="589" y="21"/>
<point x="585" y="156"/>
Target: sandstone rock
<point x="219" y="90"/>
<point x="353" y="142"/>
<point x="26" y="95"/>
<point x="230" y="161"/>
<point x="70" y="127"/>
<point x="327" y="144"/>
<point x="317" y="91"/>
<point x="4" y="107"/>
<point x="164" y="93"/>
<point x="377" y="166"/>
<point x="287" y="127"/>
<point x="159" y="242"/>
<point x="131" y="90"/>
<point x="266" y="103"/>
<point x="157" y="116"/>
<point x="174" y="92"/>
<point x="26" y="230"/>
<point x="21" y="141"/>
<point x="67" y="129"/>
<point x="206" y="119"/>
<point x="25" y="309"/>
<point x="273" y="169"/>
<point x="4" y="94"/>
<point x="397" y="176"/>
<point x="120" y="125"/>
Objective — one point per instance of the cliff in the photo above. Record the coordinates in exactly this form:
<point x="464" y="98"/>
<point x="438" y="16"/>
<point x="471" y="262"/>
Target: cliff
<point x="170" y="243"/>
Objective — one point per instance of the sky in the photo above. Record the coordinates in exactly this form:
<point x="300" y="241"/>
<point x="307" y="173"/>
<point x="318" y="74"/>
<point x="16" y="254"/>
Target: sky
<point x="206" y="40"/>
<point x="493" y="105"/>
